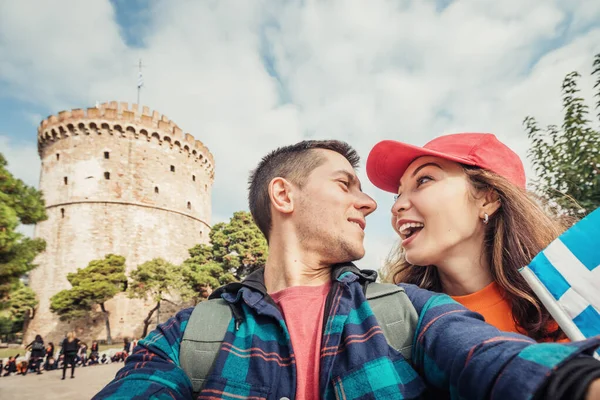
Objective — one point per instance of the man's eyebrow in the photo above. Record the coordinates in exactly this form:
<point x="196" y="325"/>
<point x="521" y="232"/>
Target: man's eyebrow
<point x="351" y="177"/>
<point x="416" y="171"/>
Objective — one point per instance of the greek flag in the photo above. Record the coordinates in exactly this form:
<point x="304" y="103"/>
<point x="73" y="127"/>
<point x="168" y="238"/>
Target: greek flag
<point x="140" y="80"/>
<point x="566" y="278"/>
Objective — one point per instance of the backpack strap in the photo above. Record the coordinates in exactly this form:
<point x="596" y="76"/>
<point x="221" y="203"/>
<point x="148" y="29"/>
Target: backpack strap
<point x="395" y="314"/>
<point x="202" y="340"/>
<point x="210" y="319"/>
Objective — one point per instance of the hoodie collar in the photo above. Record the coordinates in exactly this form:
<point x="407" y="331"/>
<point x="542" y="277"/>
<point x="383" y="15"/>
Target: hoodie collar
<point x="346" y="272"/>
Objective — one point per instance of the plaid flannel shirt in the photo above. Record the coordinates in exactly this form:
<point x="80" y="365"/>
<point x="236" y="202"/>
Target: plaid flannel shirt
<point x="455" y="354"/>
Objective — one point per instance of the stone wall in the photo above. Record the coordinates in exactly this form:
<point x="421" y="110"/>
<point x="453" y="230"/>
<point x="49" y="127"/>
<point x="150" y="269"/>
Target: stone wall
<point x="116" y="180"/>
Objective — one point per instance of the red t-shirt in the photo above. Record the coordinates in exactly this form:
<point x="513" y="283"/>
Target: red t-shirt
<point x="303" y="308"/>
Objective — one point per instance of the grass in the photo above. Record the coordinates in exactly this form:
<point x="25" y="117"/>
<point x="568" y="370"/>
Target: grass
<point x="4" y="353"/>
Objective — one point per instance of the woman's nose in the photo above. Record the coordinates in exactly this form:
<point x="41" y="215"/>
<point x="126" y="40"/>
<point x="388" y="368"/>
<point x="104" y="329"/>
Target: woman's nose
<point x="401" y="203"/>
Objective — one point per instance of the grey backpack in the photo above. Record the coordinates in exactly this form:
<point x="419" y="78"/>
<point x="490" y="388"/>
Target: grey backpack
<point x="210" y="319"/>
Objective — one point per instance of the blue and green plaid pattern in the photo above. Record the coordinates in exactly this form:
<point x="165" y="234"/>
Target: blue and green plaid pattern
<point x="455" y="354"/>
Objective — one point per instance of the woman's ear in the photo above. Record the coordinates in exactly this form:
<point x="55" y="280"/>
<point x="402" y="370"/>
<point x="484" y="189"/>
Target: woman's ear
<point x="281" y="194"/>
<point x="490" y="203"/>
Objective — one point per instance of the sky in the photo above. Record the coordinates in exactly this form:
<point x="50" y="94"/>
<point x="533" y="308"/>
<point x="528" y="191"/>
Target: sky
<point x="245" y="77"/>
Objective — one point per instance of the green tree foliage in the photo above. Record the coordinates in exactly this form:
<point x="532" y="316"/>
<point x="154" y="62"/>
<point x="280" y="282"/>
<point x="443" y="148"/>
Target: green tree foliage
<point x="22" y="303"/>
<point x="19" y="307"/>
<point x="154" y="279"/>
<point x="19" y="204"/>
<point x="566" y="159"/>
<point x="93" y="285"/>
<point x="236" y="249"/>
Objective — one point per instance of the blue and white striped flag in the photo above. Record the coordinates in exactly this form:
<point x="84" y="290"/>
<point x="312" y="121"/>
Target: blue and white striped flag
<point x="566" y="278"/>
<point x="140" y="80"/>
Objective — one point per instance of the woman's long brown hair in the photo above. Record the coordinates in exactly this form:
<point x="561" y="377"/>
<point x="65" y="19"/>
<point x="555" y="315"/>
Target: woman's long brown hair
<point x="516" y="232"/>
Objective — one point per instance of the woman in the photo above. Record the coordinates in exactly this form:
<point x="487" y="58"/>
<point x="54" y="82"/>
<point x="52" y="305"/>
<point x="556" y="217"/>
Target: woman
<point x="70" y="346"/>
<point x="95" y="349"/>
<point x="467" y="225"/>
<point x="50" y="364"/>
<point x="37" y="354"/>
<point x="82" y="354"/>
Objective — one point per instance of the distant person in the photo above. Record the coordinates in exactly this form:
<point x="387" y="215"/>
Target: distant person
<point x="70" y="347"/>
<point x="38" y="350"/>
<point x="134" y="343"/>
<point x="82" y="354"/>
<point x="11" y="366"/>
<point x="94" y="350"/>
<point x="126" y="345"/>
<point x="22" y="367"/>
<point x="103" y="359"/>
<point x="50" y="362"/>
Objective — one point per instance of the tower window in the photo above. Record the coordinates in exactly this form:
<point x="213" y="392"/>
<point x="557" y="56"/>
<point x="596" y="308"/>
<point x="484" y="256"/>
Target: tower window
<point x="189" y="205"/>
<point x="194" y="178"/>
<point x="107" y="175"/>
<point x="66" y="180"/>
<point x="106" y="155"/>
<point x="57" y="156"/>
<point x="155" y="189"/>
<point x="62" y="212"/>
<point x="172" y="168"/>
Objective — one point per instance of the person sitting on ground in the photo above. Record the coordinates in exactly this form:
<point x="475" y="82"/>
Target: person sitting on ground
<point x="302" y="326"/>
<point x="93" y="359"/>
<point x="11" y="366"/>
<point x="94" y="349"/>
<point x="467" y="225"/>
<point x="82" y="354"/>
<point x="50" y="362"/>
<point x="22" y="367"/>
<point x="103" y="359"/>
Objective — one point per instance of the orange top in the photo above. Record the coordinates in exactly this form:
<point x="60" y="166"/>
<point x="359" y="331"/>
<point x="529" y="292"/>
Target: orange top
<point x="495" y="308"/>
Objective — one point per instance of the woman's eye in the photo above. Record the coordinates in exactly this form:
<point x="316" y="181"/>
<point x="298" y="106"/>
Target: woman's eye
<point x="396" y="197"/>
<point x="346" y="183"/>
<point x="423" y="179"/>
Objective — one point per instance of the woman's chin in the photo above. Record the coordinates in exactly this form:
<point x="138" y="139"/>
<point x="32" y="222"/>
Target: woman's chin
<point x="416" y="259"/>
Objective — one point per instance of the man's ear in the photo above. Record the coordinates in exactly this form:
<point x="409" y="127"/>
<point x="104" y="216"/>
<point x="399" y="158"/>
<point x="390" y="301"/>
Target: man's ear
<point x="281" y="193"/>
<point x="490" y="203"/>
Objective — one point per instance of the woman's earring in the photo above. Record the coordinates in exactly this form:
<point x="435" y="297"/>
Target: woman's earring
<point x="486" y="218"/>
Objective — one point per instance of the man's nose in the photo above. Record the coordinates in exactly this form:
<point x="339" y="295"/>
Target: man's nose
<point x="366" y="204"/>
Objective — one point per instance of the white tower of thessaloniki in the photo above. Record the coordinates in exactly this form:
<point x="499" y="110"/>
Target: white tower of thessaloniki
<point x="120" y="179"/>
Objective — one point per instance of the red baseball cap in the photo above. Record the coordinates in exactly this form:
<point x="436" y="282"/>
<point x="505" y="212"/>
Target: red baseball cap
<point x="389" y="159"/>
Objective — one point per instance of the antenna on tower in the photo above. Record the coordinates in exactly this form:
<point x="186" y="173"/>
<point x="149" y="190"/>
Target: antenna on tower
<point x="140" y="81"/>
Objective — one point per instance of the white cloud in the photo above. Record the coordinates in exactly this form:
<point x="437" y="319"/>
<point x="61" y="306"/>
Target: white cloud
<point x="23" y="160"/>
<point x="347" y="69"/>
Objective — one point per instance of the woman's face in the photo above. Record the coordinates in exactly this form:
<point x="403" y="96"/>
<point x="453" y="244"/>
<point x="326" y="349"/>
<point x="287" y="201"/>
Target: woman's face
<point x="437" y="213"/>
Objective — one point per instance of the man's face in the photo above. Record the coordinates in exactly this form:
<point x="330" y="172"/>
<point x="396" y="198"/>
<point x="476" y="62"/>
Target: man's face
<point x="331" y="210"/>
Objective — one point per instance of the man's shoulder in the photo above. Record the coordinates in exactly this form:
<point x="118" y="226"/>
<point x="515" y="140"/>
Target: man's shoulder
<point x="423" y="298"/>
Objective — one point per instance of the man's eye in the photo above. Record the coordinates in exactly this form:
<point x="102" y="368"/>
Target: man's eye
<point x="346" y="183"/>
<point x="396" y="197"/>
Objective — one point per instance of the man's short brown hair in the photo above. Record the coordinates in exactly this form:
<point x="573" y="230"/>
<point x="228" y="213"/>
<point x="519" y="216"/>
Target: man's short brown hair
<point x="293" y="163"/>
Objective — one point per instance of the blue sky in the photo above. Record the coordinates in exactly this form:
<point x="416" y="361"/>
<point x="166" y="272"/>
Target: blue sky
<point x="267" y="73"/>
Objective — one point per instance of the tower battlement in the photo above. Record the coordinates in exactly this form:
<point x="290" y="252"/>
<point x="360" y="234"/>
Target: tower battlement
<point x="122" y="120"/>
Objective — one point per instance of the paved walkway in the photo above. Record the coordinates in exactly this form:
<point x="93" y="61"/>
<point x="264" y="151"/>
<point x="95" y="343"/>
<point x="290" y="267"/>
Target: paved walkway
<point x="87" y="382"/>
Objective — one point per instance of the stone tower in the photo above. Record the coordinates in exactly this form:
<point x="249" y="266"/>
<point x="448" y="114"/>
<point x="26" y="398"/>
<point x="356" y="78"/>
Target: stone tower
<point x="116" y="179"/>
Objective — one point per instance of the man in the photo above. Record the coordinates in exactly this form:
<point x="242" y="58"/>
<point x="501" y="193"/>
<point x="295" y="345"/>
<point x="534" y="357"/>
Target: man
<point x="302" y="328"/>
